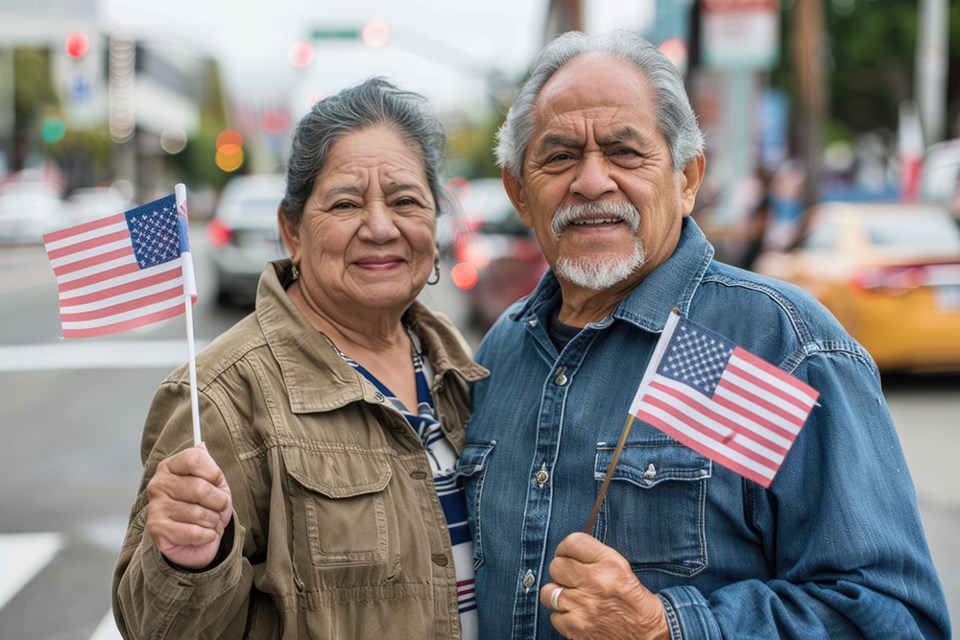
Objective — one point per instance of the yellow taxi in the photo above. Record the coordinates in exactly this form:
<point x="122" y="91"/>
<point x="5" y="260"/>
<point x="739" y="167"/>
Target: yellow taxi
<point x="889" y="272"/>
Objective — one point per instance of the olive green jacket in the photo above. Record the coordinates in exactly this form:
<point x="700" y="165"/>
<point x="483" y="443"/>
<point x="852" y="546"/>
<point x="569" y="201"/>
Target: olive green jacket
<point x="337" y="529"/>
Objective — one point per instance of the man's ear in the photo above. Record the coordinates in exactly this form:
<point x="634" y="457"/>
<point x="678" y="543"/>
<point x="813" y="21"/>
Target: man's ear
<point x="514" y="190"/>
<point x="289" y="234"/>
<point x="691" y="179"/>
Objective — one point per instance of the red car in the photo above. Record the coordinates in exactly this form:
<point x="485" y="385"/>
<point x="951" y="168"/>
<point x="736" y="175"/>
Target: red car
<point x="497" y="258"/>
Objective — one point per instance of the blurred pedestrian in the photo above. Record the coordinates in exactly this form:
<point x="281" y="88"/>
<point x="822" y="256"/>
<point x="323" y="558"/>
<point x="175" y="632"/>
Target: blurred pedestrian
<point x="322" y="502"/>
<point x="602" y="157"/>
<point x="758" y="221"/>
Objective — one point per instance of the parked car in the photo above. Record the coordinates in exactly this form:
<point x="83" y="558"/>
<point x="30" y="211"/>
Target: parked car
<point x="28" y="210"/>
<point x="244" y="236"/>
<point x="497" y="258"/>
<point x="89" y="203"/>
<point x="889" y="272"/>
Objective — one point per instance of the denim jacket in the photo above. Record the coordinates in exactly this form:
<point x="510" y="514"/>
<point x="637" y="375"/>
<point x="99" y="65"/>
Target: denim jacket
<point x="834" y="548"/>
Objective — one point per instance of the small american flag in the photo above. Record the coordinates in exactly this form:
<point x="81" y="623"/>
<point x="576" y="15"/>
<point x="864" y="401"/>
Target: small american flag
<point x="722" y="401"/>
<point x="122" y="271"/>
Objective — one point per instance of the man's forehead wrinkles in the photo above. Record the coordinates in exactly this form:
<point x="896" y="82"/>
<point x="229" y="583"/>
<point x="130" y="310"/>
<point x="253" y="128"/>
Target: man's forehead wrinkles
<point x="583" y="130"/>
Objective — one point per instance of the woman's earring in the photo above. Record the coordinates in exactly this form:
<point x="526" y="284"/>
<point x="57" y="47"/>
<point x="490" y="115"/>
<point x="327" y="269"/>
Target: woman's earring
<point x="294" y="272"/>
<point x="436" y="271"/>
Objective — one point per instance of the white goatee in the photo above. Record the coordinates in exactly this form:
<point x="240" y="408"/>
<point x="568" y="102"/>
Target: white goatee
<point x="598" y="272"/>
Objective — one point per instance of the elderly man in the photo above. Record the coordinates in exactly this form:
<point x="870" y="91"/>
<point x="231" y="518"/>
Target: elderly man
<point x="602" y="157"/>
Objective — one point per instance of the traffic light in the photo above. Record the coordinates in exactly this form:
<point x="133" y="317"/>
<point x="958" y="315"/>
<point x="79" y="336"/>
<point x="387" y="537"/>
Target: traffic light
<point x="229" y="156"/>
<point x="375" y="34"/>
<point x="76" y="45"/>
<point x="300" y="54"/>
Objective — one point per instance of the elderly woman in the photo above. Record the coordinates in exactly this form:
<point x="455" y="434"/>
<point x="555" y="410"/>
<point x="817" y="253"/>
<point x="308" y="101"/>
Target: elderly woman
<point x="322" y="502"/>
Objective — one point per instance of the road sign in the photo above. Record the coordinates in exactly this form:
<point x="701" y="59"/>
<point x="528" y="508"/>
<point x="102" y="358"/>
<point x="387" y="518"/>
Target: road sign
<point x="740" y="34"/>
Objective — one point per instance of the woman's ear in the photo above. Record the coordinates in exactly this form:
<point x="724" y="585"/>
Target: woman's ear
<point x="289" y="233"/>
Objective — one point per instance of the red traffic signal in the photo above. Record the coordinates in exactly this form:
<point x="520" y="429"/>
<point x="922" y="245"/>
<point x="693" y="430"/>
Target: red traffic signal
<point x="76" y="45"/>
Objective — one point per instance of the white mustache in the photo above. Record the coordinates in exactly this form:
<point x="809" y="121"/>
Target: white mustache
<point x="567" y="215"/>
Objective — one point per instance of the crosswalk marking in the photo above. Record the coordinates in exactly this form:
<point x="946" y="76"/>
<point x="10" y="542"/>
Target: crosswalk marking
<point x="22" y="556"/>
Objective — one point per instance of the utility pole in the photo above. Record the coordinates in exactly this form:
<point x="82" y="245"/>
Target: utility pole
<point x="931" y="68"/>
<point x="563" y="15"/>
<point x="808" y="50"/>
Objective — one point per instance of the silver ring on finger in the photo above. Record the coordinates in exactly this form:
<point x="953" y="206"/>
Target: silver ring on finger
<point x="555" y="600"/>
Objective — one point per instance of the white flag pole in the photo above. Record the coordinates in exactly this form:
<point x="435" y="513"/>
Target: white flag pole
<point x="189" y="293"/>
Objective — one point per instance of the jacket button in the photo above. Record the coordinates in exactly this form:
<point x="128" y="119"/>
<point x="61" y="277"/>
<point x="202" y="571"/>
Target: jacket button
<point x="542" y="477"/>
<point x="560" y="380"/>
<point x="528" y="579"/>
<point x="378" y="397"/>
<point x="418" y="475"/>
<point x="439" y="559"/>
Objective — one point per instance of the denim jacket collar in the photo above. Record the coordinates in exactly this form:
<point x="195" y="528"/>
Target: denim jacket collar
<point x="670" y="285"/>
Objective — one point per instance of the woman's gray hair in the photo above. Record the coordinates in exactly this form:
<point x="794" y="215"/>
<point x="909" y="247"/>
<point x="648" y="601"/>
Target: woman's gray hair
<point x="373" y="102"/>
<point x="674" y="115"/>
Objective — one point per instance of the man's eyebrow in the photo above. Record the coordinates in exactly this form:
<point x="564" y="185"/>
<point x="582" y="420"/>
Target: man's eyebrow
<point x="624" y="134"/>
<point x="559" y="140"/>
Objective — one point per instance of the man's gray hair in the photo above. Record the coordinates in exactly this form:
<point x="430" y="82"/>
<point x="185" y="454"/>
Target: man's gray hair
<point x="376" y="101"/>
<point x="674" y="115"/>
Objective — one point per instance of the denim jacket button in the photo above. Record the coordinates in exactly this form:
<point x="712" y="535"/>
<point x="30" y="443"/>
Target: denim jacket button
<point x="542" y="477"/>
<point x="529" y="579"/>
<point x="650" y="473"/>
<point x="560" y="380"/>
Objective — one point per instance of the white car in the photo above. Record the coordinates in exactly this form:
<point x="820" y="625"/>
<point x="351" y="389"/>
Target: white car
<point x="28" y="210"/>
<point x="244" y="235"/>
<point x="89" y="203"/>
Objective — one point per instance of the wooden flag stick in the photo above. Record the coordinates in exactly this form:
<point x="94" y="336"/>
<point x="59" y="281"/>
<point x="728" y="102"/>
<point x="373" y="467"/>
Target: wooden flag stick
<point x="606" y="479"/>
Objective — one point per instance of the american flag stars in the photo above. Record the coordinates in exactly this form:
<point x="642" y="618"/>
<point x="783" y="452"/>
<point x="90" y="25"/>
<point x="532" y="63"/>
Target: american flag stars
<point x="696" y="359"/>
<point x="154" y="232"/>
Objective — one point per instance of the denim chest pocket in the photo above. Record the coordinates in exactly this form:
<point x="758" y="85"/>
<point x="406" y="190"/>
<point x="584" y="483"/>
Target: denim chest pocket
<point x="472" y="469"/>
<point x="653" y="513"/>
<point x="340" y="505"/>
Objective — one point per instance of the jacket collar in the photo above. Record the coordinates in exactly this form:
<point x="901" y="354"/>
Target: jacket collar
<point x="315" y="376"/>
<point x="670" y="285"/>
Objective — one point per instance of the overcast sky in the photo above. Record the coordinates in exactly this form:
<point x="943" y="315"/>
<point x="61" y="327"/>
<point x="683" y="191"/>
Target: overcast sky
<point x="442" y="48"/>
<point x="438" y="47"/>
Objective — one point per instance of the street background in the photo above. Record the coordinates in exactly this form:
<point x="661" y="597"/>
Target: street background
<point x="108" y="103"/>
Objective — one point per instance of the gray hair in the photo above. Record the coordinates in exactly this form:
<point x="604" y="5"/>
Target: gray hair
<point x="373" y="102"/>
<point x="674" y="115"/>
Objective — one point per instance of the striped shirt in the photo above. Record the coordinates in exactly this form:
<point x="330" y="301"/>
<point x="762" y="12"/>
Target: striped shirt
<point x="443" y="459"/>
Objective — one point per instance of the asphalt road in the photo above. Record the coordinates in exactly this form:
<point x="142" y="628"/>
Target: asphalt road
<point x="70" y="419"/>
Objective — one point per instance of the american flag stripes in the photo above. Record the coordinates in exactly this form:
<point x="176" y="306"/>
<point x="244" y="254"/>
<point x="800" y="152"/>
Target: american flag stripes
<point x="122" y="271"/>
<point x="722" y="401"/>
